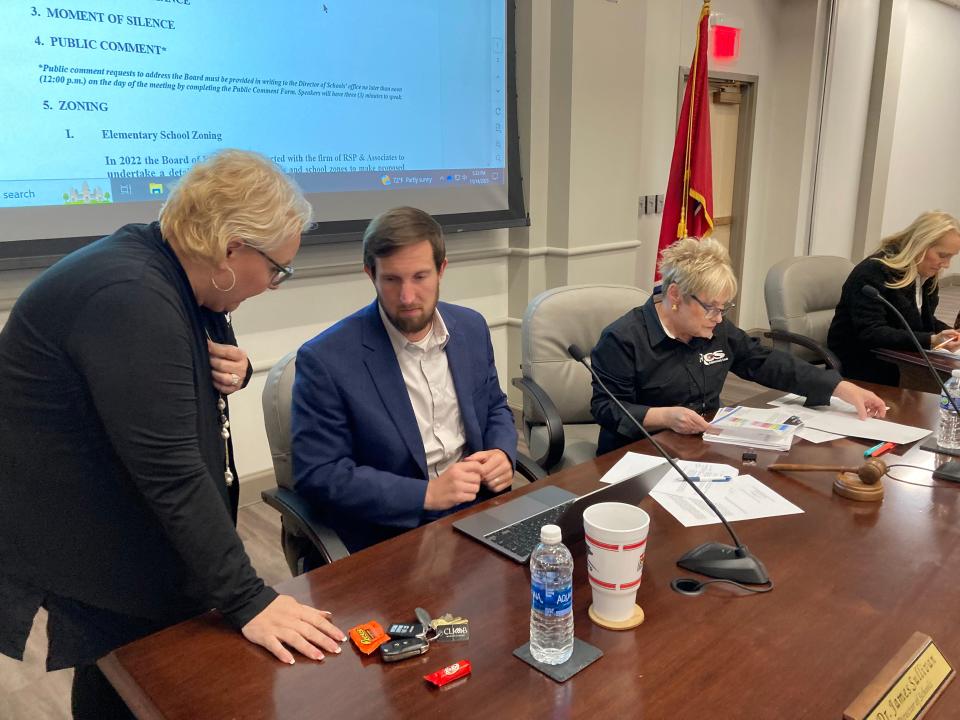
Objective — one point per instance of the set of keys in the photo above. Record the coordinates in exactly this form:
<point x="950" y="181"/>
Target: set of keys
<point x="412" y="639"/>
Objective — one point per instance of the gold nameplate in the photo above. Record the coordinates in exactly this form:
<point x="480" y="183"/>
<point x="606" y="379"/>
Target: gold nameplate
<point x="907" y="686"/>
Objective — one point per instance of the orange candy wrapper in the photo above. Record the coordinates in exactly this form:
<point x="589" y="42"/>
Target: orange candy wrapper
<point x="449" y="673"/>
<point x="368" y="637"/>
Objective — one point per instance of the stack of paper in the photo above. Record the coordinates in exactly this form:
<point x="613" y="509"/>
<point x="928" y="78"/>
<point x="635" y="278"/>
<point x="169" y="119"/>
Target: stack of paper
<point x="740" y="497"/>
<point x="753" y="427"/>
<point x="840" y="419"/>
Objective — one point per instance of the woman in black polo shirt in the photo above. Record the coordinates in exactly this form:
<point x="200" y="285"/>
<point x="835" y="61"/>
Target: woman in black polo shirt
<point x="905" y="271"/>
<point x="667" y="361"/>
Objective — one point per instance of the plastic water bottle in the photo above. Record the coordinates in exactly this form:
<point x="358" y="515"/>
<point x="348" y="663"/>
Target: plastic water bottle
<point x="551" y="609"/>
<point x="948" y="429"/>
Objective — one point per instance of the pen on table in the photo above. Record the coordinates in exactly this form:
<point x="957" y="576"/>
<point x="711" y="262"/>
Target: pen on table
<point x="718" y="417"/>
<point x="883" y="449"/>
<point x="870" y="451"/>
<point x="712" y="478"/>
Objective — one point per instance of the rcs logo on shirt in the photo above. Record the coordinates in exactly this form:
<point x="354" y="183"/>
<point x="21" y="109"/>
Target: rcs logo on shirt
<point x="710" y="358"/>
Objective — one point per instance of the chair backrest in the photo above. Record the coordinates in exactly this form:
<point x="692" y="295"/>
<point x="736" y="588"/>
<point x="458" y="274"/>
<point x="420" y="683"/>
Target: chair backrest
<point x="277" y="397"/>
<point x="802" y="294"/>
<point x="558" y="318"/>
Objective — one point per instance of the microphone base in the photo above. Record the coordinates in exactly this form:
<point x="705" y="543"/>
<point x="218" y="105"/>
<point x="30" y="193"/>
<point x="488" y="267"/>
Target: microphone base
<point x="725" y="562"/>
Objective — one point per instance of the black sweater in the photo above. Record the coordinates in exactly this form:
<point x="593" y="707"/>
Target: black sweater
<point x="861" y="325"/>
<point x="114" y="512"/>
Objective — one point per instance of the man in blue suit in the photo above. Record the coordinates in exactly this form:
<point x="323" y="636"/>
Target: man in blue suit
<point x="398" y="415"/>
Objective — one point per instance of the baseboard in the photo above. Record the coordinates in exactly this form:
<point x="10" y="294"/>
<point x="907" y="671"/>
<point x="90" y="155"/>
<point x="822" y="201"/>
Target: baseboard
<point x="253" y="484"/>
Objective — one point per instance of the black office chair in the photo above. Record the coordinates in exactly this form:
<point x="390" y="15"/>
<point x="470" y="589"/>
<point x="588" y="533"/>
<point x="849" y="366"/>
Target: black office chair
<point x="306" y="540"/>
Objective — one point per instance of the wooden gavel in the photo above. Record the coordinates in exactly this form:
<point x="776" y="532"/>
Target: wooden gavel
<point x="855" y="483"/>
<point x="869" y="473"/>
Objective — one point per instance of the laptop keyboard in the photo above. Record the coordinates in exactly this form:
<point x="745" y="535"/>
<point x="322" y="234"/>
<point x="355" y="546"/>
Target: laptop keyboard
<point x="522" y="537"/>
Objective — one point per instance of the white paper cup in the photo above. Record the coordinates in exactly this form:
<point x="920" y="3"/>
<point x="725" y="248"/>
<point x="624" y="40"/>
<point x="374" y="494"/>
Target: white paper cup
<point x="616" y="539"/>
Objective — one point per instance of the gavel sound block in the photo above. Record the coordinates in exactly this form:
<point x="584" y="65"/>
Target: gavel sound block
<point x="855" y="483"/>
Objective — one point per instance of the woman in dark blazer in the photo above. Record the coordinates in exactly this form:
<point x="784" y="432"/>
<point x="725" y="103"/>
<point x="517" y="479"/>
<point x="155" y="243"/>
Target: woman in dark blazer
<point x="905" y="271"/>
<point x="118" y="492"/>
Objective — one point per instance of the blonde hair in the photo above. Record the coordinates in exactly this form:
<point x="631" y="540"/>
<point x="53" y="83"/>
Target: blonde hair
<point x="232" y="195"/>
<point x="903" y="251"/>
<point x="698" y="267"/>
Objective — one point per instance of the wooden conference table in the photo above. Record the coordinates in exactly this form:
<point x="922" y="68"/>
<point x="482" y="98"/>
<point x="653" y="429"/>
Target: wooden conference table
<point x="914" y="373"/>
<point x="853" y="582"/>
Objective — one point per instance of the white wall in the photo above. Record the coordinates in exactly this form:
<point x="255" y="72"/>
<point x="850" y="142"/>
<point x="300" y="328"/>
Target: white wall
<point x="844" y="127"/>
<point x="605" y="161"/>
<point x="786" y="114"/>
<point x="597" y="86"/>
<point x="926" y="143"/>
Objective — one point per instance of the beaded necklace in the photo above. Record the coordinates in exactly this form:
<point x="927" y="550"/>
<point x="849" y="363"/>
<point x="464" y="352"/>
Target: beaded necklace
<point x="225" y="434"/>
<point x="224" y="429"/>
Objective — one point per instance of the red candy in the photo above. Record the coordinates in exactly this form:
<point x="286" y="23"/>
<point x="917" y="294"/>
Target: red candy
<point x="449" y="673"/>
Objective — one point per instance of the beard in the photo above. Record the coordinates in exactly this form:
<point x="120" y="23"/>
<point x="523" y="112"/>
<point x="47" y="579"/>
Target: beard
<point x="412" y="324"/>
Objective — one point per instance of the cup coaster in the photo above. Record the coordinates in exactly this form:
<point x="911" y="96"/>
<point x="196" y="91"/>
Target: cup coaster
<point x="583" y="654"/>
<point x="631" y="622"/>
<point x="930" y="445"/>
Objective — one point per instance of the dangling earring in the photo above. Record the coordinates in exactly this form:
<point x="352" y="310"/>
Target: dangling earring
<point x="233" y="280"/>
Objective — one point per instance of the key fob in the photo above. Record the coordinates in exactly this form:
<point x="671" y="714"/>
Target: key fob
<point x="406" y="630"/>
<point x="403" y="648"/>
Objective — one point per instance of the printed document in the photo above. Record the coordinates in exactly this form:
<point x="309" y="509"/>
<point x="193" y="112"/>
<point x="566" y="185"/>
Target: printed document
<point x="740" y="498"/>
<point x="840" y="418"/>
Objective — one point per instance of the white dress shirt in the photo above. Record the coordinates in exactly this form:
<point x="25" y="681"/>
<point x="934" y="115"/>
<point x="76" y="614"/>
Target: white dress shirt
<point x="426" y="374"/>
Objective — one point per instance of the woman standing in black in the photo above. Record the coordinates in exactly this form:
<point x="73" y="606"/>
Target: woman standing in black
<point x="905" y="270"/>
<point x="118" y="492"/>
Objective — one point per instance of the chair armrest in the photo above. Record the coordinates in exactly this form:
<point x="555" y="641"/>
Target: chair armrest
<point x="300" y="515"/>
<point x="829" y="359"/>
<point x="527" y="467"/>
<point x="551" y="417"/>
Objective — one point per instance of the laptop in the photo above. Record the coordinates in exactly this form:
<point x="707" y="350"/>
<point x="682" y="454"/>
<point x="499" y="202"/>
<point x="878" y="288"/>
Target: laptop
<point x="513" y="528"/>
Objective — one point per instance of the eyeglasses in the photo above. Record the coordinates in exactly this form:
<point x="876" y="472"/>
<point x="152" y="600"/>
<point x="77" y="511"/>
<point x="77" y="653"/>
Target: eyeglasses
<point x="713" y="311"/>
<point x="281" y="272"/>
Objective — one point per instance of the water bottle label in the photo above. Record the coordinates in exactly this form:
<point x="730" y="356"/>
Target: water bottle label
<point x="552" y="602"/>
<point x="945" y="404"/>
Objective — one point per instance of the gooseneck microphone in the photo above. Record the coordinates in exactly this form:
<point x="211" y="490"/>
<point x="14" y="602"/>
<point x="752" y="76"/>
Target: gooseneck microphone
<point x="711" y="559"/>
<point x="949" y="470"/>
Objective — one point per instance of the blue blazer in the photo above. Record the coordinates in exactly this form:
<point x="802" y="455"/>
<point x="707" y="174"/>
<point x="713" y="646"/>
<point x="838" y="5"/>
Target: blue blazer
<point x="357" y="452"/>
